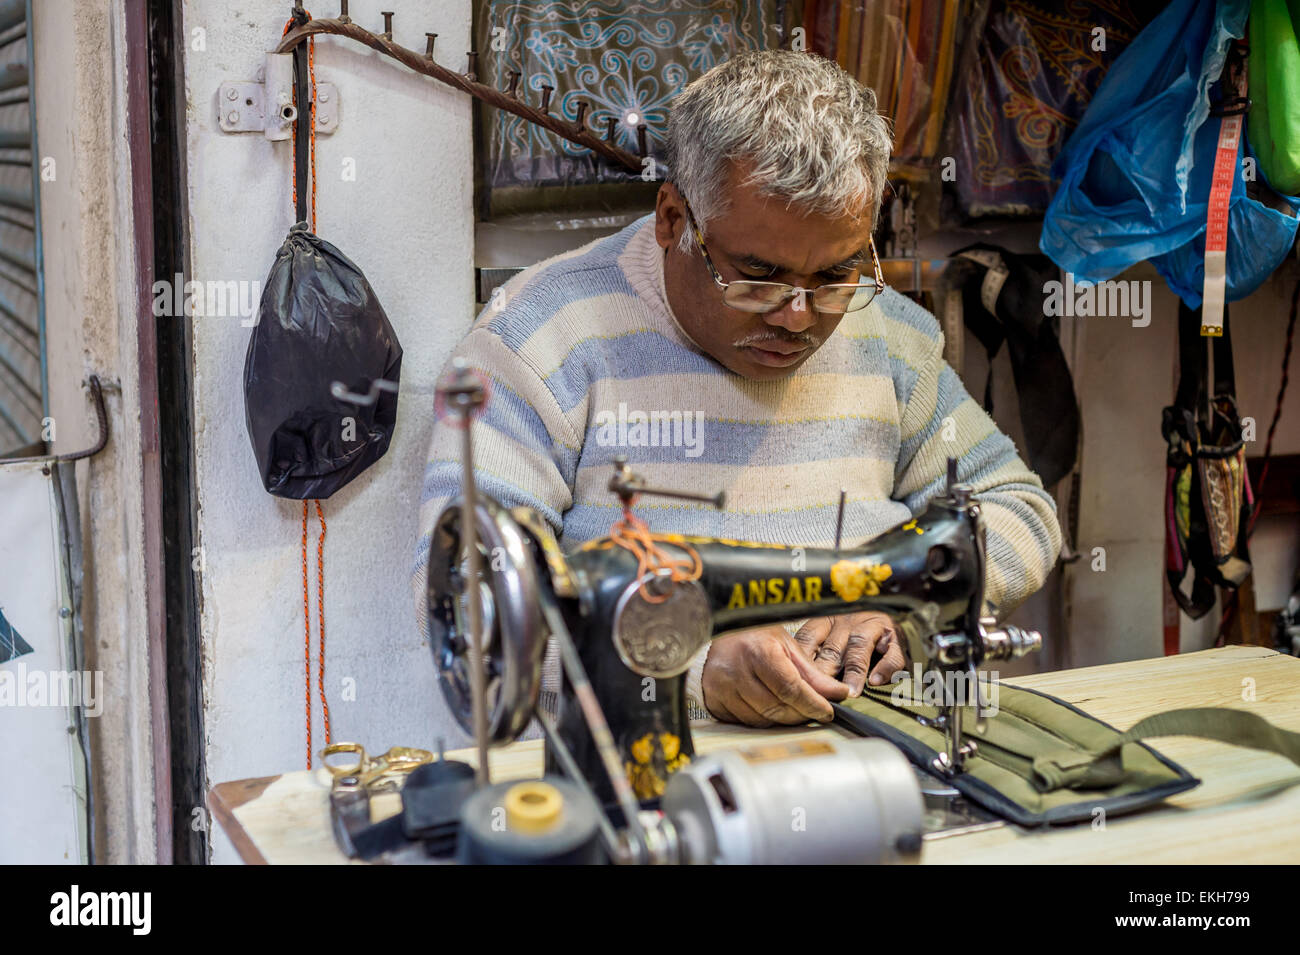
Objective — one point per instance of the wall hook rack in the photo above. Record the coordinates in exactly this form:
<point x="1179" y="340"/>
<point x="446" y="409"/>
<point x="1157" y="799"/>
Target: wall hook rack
<point x="576" y="133"/>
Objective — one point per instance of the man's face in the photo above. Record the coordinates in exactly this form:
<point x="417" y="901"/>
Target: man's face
<point x="758" y="238"/>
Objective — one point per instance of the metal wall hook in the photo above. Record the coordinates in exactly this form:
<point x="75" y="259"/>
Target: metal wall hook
<point x="610" y="123"/>
<point x="513" y="91"/>
<point x="341" y="392"/>
<point x="640" y="140"/>
<point x="465" y="82"/>
<point x="343" y="12"/>
<point x="428" y="50"/>
<point x="388" y="24"/>
<point x="580" y="123"/>
<point x="96" y="388"/>
<point x="546" y="98"/>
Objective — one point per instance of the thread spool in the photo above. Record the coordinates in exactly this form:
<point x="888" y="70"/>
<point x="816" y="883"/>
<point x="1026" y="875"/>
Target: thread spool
<point x="538" y="822"/>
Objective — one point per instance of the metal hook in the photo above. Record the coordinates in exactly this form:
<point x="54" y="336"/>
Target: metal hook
<point x="388" y="24"/>
<point x="472" y="71"/>
<point x="580" y="123"/>
<point x="428" y="50"/>
<point x="640" y="140"/>
<point x="609" y="129"/>
<point x="546" y="97"/>
<point x="340" y="391"/>
<point x="343" y="12"/>
<point x="96" y="388"/>
<point x="513" y="91"/>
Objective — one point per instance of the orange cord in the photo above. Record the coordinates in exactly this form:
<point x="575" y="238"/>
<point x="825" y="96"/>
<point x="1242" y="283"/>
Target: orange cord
<point x="306" y="622"/>
<point x="320" y="516"/>
<point x="320" y="607"/>
<point x="633" y="534"/>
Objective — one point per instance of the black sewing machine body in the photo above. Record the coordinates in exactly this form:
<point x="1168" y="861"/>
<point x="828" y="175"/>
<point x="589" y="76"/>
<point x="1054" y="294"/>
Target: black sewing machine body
<point x="934" y="562"/>
<point x="927" y="573"/>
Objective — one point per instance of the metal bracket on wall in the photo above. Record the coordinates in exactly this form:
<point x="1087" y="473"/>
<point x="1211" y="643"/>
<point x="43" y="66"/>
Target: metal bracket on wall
<point x="265" y="105"/>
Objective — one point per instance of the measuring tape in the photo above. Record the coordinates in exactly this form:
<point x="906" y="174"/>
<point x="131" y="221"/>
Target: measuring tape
<point x="1216" y="220"/>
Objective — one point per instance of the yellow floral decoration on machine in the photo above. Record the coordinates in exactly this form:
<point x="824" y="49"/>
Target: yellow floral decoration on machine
<point x="851" y="579"/>
<point x="646" y="780"/>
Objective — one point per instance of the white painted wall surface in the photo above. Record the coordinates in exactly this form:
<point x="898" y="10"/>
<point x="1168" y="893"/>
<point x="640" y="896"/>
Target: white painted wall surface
<point x="407" y="223"/>
<point x="1127" y="377"/>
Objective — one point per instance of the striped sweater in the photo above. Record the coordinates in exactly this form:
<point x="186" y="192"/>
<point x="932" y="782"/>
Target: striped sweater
<point x="586" y="361"/>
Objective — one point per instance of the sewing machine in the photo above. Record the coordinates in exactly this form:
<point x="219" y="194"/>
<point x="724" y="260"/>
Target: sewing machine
<point x="627" y="635"/>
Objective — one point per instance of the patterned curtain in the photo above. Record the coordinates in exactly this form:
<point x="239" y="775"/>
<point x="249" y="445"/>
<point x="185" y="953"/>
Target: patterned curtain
<point x="904" y="50"/>
<point x="627" y="60"/>
<point x="1033" y="75"/>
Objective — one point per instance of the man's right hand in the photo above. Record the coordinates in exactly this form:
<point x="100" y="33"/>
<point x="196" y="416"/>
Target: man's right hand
<point x="760" y="678"/>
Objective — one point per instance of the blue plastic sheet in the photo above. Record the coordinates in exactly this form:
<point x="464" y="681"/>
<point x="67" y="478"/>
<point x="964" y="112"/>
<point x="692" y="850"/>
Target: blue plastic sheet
<point x="1135" y="176"/>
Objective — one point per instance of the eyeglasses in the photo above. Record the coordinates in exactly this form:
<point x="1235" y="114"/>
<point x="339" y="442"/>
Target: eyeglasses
<point x="750" y="295"/>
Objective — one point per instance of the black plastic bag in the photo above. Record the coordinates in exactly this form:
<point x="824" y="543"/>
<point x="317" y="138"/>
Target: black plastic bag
<point x="319" y="323"/>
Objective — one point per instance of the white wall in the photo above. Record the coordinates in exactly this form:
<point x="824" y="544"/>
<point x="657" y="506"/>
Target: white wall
<point x="407" y="223"/>
<point x="1127" y="377"/>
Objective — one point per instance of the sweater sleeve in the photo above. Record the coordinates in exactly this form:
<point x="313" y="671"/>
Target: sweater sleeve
<point x="525" y="450"/>
<point x="938" y="420"/>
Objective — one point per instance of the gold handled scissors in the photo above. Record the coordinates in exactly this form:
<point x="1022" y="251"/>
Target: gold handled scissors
<point x="372" y="773"/>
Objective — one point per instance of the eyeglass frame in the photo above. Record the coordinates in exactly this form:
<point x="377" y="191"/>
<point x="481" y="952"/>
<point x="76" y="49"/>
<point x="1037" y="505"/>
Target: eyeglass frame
<point x="794" y="289"/>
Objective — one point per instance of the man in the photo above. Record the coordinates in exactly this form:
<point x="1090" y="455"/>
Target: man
<point x="747" y="305"/>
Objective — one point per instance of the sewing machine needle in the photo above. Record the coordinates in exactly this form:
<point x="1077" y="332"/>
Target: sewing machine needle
<point x="839" y="520"/>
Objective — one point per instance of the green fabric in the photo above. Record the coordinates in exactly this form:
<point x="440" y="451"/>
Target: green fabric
<point x="1273" y="74"/>
<point x="1074" y="769"/>
<point x="1041" y="760"/>
<point x="1028" y="726"/>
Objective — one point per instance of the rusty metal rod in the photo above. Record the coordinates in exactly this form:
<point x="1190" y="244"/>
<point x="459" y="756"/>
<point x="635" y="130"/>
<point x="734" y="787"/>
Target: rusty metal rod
<point x="487" y="94"/>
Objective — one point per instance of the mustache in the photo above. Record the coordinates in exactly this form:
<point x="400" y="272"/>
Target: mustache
<point x="760" y="338"/>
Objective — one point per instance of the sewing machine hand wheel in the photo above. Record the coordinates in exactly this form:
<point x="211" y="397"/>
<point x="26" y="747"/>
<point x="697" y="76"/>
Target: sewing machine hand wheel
<point x="515" y="638"/>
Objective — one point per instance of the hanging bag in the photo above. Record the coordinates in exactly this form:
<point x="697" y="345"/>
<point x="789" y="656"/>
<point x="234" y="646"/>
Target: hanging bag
<point x="1207" y="497"/>
<point x="1274" y="125"/>
<point x="319" y="323"/>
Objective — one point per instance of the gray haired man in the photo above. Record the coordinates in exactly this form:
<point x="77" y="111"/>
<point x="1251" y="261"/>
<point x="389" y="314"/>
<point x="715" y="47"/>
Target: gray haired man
<point x="752" y="301"/>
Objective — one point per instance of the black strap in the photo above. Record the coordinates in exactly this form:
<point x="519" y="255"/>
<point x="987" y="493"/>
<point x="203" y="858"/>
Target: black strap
<point x="302" y="128"/>
<point x="1202" y="598"/>
<point x="1193" y="390"/>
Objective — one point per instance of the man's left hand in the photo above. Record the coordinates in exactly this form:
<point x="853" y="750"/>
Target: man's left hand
<point x="844" y="644"/>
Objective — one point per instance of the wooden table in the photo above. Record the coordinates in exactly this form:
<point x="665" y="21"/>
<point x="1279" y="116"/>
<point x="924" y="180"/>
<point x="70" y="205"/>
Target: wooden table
<point x="1246" y="810"/>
